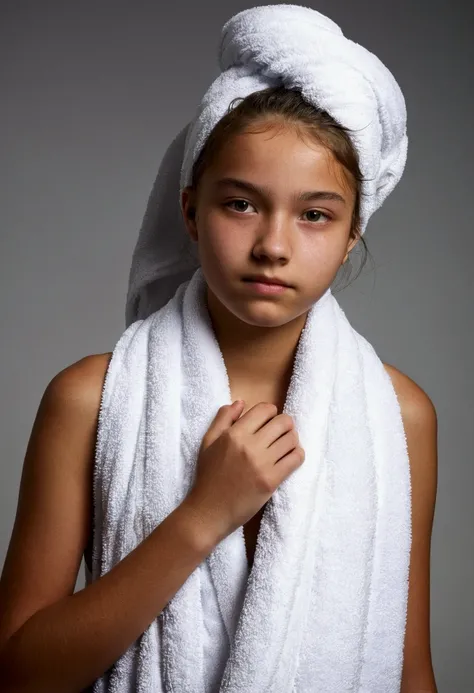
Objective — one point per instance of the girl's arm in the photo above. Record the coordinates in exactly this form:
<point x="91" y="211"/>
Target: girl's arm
<point x="421" y="429"/>
<point x="52" y="639"/>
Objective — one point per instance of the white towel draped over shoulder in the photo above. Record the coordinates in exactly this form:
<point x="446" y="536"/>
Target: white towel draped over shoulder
<point x="323" y="609"/>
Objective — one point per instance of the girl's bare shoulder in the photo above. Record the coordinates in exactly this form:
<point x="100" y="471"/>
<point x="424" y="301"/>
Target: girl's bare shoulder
<point x="82" y="381"/>
<point x="53" y="517"/>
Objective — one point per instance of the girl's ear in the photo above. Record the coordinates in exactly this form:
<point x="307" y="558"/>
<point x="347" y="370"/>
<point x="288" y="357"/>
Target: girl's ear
<point x="351" y="245"/>
<point x="188" y="209"/>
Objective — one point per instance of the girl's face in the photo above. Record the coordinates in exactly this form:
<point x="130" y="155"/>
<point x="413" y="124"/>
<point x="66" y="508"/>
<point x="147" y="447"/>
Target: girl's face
<point x="270" y="203"/>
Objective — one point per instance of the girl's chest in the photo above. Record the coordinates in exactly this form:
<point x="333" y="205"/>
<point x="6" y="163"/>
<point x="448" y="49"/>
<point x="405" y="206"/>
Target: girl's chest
<point x="251" y="530"/>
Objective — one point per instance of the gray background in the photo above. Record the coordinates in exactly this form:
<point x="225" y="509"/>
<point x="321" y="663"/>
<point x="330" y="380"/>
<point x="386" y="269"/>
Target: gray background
<point x="93" y="92"/>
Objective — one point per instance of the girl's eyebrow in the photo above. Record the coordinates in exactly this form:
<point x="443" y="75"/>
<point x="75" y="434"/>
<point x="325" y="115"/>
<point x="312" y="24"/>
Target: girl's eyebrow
<point x="260" y="190"/>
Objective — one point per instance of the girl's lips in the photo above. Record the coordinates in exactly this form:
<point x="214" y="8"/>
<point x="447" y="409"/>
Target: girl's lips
<point x="262" y="288"/>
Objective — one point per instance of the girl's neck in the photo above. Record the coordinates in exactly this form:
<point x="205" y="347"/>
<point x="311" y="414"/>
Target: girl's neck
<point x="259" y="361"/>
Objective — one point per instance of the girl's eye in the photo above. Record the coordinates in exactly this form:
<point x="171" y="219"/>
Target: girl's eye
<point x="317" y="212"/>
<point x="241" y="203"/>
<point x="243" y="206"/>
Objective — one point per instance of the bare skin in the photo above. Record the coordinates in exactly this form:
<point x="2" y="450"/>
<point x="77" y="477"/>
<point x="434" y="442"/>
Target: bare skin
<point x="36" y="548"/>
<point x="240" y="232"/>
<point x="268" y="229"/>
<point x="258" y="338"/>
<point x="53" y="639"/>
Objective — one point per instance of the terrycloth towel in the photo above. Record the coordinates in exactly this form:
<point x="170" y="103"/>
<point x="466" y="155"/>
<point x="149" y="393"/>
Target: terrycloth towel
<point x="323" y="609"/>
<point x="299" y="48"/>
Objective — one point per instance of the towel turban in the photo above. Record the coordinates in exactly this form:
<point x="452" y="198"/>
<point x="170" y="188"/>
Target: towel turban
<point x="298" y="48"/>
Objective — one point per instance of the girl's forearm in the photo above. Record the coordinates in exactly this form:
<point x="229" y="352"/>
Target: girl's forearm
<point x="69" y="644"/>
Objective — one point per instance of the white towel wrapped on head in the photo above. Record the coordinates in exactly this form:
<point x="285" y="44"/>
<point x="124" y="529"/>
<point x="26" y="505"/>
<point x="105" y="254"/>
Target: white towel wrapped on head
<point x="323" y="609"/>
<point x="299" y="48"/>
<point x="266" y="46"/>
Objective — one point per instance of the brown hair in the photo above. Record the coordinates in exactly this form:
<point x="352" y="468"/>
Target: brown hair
<point x="288" y="106"/>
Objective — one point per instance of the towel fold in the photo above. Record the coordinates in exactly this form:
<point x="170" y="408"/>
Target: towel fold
<point x="323" y="608"/>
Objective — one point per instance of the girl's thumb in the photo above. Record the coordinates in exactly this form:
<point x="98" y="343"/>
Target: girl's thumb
<point x="232" y="411"/>
<point x="225" y="417"/>
<point x="229" y="410"/>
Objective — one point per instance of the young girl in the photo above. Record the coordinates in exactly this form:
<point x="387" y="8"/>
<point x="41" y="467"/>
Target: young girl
<point x="273" y="208"/>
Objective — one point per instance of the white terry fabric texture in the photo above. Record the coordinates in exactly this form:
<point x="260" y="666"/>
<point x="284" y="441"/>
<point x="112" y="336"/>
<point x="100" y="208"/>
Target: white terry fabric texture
<point x="324" y="607"/>
<point x="298" y="48"/>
